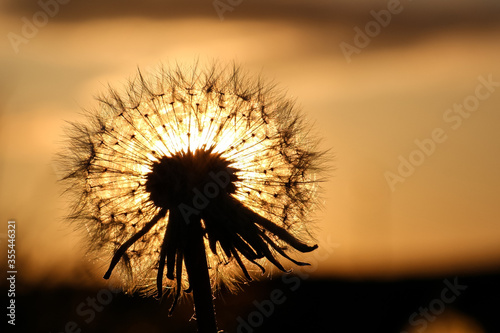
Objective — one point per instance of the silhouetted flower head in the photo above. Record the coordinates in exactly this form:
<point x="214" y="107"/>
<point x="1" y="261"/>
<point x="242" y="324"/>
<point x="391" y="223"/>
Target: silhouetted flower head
<point x="209" y="145"/>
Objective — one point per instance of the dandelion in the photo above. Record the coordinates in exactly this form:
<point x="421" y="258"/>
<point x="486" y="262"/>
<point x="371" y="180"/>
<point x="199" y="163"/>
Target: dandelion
<point x="190" y="180"/>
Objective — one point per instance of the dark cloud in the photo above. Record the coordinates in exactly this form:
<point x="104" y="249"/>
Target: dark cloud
<point x="334" y="21"/>
<point x="427" y="14"/>
<point x="156" y="9"/>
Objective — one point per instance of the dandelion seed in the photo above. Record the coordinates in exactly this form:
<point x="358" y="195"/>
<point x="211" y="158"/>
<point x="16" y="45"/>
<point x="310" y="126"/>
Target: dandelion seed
<point x="190" y="180"/>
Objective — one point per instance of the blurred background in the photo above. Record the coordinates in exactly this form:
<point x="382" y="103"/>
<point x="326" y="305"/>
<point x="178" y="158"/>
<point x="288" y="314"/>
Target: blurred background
<point x="406" y="94"/>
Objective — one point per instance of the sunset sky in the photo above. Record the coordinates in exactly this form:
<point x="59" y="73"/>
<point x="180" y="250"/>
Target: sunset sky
<point x="383" y="214"/>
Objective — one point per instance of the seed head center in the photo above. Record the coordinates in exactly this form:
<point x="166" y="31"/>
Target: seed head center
<point x="178" y="179"/>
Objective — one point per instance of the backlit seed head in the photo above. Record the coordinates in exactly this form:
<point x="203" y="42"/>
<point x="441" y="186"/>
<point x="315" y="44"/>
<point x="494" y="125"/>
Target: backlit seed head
<point x="206" y="144"/>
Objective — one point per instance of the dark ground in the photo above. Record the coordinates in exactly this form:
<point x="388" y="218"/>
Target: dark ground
<point x="300" y="304"/>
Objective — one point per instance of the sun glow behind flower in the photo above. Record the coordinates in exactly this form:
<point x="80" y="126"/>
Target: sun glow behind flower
<point x="147" y="150"/>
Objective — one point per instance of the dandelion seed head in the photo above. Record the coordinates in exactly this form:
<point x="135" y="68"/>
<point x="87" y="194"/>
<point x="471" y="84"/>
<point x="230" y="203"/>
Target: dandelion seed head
<point x="169" y="140"/>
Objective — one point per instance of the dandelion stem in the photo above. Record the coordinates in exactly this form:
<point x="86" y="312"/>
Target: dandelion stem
<point x="198" y="275"/>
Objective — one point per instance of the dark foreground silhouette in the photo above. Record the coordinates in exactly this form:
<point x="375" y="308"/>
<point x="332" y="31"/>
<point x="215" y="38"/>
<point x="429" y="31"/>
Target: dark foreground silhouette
<point x="291" y="303"/>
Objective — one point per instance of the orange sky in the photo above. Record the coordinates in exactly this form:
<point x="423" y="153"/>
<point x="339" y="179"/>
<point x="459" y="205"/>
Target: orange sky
<point x="443" y="217"/>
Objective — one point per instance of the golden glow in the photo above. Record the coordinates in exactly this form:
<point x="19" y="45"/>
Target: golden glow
<point x="256" y="131"/>
<point x="449" y="322"/>
<point x="361" y="109"/>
